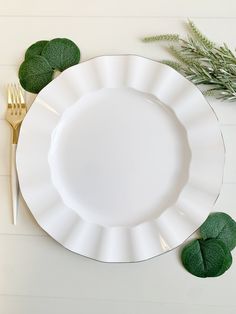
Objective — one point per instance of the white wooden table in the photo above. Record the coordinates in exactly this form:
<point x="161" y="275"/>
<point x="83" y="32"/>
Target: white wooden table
<point x="39" y="276"/>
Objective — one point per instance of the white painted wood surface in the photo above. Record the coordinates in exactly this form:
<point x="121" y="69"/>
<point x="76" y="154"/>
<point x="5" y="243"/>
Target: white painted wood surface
<point x="39" y="276"/>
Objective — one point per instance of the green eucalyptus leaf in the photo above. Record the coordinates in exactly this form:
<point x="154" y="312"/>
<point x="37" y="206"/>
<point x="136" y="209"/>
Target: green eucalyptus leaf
<point x="206" y="258"/>
<point x="35" y="73"/>
<point x="220" y="226"/>
<point x="35" y="49"/>
<point x="228" y="259"/>
<point x="61" y="53"/>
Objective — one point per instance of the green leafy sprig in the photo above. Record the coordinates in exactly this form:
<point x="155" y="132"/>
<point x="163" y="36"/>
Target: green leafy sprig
<point x="43" y="59"/>
<point x="202" y="61"/>
<point x="210" y="256"/>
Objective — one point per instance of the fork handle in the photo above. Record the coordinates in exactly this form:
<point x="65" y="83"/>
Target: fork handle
<point x="14" y="183"/>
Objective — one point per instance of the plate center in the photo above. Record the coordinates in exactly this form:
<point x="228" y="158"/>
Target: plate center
<point x="119" y="157"/>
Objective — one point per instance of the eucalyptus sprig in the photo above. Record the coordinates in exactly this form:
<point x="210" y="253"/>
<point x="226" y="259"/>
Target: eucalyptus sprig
<point x="210" y="255"/>
<point x="202" y="61"/>
<point x="43" y="59"/>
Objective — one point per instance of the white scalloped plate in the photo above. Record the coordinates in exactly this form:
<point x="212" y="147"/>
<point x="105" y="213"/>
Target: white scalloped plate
<point x="120" y="158"/>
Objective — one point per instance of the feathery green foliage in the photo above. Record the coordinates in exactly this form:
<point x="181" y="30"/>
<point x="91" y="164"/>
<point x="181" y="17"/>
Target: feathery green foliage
<point x="165" y="37"/>
<point x="199" y="36"/>
<point x="175" y="65"/>
<point x="202" y="61"/>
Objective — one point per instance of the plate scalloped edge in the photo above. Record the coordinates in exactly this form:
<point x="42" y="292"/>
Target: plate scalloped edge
<point x="151" y="238"/>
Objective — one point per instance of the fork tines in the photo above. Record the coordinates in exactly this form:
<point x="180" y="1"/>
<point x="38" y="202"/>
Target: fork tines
<point x="15" y="97"/>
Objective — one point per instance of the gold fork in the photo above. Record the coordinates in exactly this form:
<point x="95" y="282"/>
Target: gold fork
<point x="16" y="111"/>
